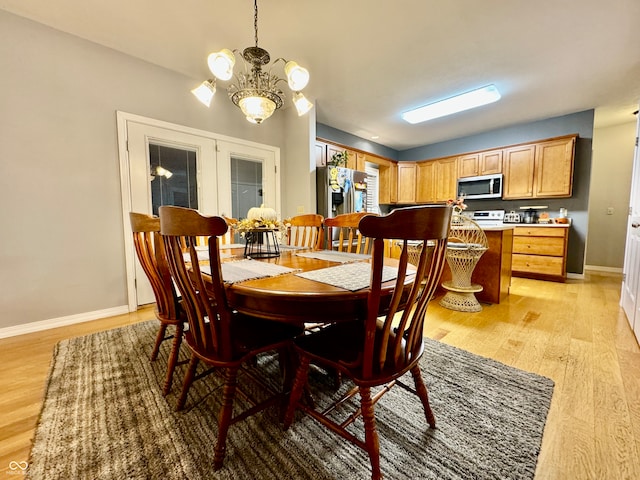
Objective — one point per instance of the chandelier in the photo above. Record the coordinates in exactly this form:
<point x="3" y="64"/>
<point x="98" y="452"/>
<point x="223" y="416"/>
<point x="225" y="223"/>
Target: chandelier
<point x="255" y="91"/>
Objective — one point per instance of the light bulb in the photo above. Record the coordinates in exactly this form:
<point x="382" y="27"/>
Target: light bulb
<point x="221" y="63"/>
<point x="297" y="76"/>
<point x="257" y="109"/>
<point x="205" y="91"/>
<point x="302" y="104"/>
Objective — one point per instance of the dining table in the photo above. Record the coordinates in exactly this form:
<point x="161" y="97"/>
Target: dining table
<point x="302" y="285"/>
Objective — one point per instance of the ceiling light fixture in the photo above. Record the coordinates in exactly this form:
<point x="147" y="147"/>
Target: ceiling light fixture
<point x="255" y="91"/>
<point x="458" y="103"/>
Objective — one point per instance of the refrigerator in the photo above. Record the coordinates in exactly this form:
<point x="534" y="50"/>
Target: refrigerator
<point x="340" y="190"/>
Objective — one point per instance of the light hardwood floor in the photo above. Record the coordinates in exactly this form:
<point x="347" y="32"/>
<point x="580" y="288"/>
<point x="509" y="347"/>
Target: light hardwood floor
<point x="574" y="333"/>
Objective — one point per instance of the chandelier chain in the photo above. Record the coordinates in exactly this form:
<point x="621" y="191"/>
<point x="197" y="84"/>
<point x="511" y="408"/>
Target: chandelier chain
<point x="255" y="19"/>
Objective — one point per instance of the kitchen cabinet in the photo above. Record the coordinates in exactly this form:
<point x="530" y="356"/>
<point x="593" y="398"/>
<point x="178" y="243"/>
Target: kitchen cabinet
<point x="436" y="180"/>
<point x="539" y="170"/>
<point x="406" y="182"/>
<point x="321" y="154"/>
<point x="351" y="156"/>
<point x="446" y="178"/>
<point x="480" y="163"/>
<point x="540" y="252"/>
<point x="388" y="178"/>
<point x="425" y="182"/>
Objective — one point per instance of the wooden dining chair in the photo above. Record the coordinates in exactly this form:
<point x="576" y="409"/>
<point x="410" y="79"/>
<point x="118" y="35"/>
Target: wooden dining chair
<point x="378" y="350"/>
<point x="343" y="233"/>
<point x="151" y="255"/>
<point x="306" y="231"/>
<point x="218" y="336"/>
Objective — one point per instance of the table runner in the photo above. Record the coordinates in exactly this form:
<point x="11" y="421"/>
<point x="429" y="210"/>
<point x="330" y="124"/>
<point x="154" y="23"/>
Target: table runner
<point x="242" y="270"/>
<point x="333" y="256"/>
<point x="350" y="276"/>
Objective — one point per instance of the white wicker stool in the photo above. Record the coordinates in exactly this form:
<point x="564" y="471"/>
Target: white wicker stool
<point x="467" y="243"/>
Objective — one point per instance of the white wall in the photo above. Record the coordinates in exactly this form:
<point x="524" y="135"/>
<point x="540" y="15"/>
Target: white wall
<point x="61" y="245"/>
<point x="612" y="163"/>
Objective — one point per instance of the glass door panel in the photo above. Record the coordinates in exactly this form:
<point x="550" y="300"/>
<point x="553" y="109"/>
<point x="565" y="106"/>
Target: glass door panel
<point x="173" y="177"/>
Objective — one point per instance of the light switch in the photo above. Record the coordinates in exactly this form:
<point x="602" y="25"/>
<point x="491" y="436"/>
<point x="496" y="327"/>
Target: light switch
<point x="300" y="209"/>
<point x="609" y="210"/>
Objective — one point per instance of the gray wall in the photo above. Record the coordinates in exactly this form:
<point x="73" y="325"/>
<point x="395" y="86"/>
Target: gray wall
<point x="344" y="138"/>
<point x="580" y="123"/>
<point x="613" y="149"/>
<point x="62" y="248"/>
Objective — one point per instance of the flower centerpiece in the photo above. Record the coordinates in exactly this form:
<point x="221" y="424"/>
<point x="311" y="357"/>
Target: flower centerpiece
<point x="259" y="230"/>
<point x="458" y="205"/>
<point x="260" y="218"/>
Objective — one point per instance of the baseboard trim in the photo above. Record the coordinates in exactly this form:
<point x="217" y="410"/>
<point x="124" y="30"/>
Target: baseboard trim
<point x="576" y="276"/>
<point x="597" y="268"/>
<point x="62" y="321"/>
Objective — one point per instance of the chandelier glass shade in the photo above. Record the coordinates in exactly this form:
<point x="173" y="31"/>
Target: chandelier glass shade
<point x="255" y="91"/>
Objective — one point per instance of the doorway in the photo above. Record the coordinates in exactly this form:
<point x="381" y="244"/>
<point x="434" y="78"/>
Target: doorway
<point x="168" y="164"/>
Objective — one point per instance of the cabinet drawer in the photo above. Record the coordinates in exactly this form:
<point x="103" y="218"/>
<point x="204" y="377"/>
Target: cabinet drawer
<point x="540" y="231"/>
<point x="538" y="264"/>
<point x="539" y="246"/>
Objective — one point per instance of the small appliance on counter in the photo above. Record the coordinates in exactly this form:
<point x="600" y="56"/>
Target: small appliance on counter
<point x="487" y="218"/>
<point x="512" y="217"/>
<point x="530" y="214"/>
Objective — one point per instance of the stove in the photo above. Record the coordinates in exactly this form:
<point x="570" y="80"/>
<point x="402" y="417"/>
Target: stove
<point x="488" y="218"/>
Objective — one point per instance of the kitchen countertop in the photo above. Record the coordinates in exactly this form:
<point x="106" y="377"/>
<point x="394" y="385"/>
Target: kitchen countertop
<point x="506" y="226"/>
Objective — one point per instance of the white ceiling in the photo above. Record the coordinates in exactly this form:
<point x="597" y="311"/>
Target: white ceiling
<point x="370" y="60"/>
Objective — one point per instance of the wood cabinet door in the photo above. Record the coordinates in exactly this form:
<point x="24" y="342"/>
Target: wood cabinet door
<point x="554" y="168"/>
<point x="321" y="154"/>
<point x="351" y="159"/>
<point x="490" y="162"/>
<point x="406" y="182"/>
<point x="518" y="165"/>
<point x="469" y="165"/>
<point x="446" y="177"/>
<point x="425" y="182"/>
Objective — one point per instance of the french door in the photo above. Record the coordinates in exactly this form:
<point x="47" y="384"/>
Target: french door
<point x="166" y="164"/>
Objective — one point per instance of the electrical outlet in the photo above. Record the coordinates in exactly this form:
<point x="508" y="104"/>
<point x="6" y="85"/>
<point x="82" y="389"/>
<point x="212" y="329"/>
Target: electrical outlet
<point x="609" y="210"/>
<point x="300" y="209"/>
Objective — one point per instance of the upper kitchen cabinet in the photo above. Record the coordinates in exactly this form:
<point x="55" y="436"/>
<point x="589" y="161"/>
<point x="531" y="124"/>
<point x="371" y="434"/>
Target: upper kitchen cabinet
<point x="425" y="182"/>
<point x="446" y="177"/>
<point x="480" y="163"/>
<point x="388" y="178"/>
<point x="554" y="168"/>
<point x="518" y="171"/>
<point x="321" y="154"/>
<point x="351" y="156"/>
<point x="436" y="180"/>
<point x="406" y="182"/>
<point x="540" y="170"/>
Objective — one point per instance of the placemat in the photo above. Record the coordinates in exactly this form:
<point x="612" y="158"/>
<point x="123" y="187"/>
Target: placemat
<point x="203" y="255"/>
<point x="333" y="256"/>
<point x="242" y="270"/>
<point x="350" y="276"/>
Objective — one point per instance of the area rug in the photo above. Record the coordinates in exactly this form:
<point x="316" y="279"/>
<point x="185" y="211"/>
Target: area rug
<point x="104" y="417"/>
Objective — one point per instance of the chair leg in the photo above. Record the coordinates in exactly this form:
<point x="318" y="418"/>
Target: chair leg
<point x="188" y="380"/>
<point x="296" y="392"/>
<point x="159" y="339"/>
<point x="421" y="389"/>
<point x="370" y="432"/>
<point x="226" y="411"/>
<point x="173" y="358"/>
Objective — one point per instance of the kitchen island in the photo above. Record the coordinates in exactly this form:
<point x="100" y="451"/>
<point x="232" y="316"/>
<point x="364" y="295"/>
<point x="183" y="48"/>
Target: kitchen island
<point x="493" y="270"/>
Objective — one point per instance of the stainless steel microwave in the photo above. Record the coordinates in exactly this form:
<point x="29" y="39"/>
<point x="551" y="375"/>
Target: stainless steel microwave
<point x="482" y="186"/>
